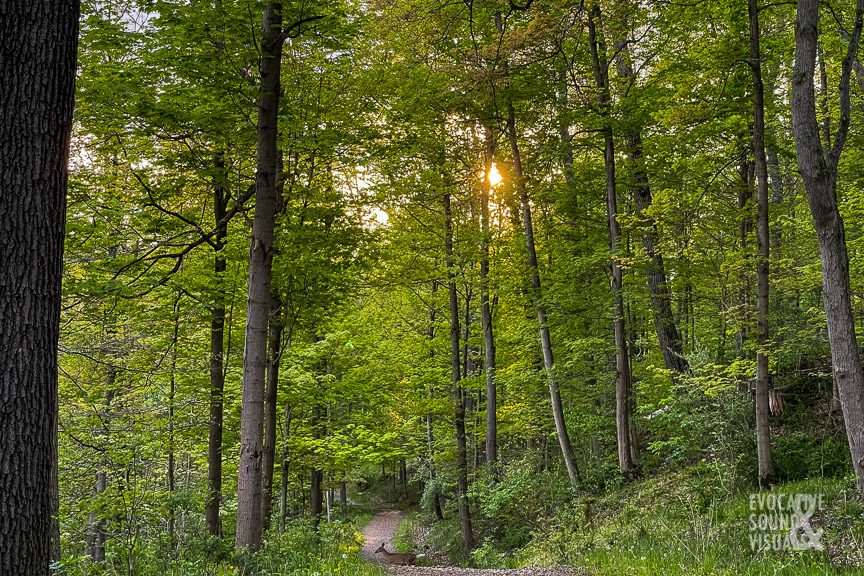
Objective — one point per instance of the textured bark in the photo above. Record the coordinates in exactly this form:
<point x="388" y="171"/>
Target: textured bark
<point x="819" y="172"/>
<point x="624" y="380"/>
<point x="217" y="362"/>
<point x="455" y="377"/>
<point x="38" y="43"/>
<point x="249" y="521"/>
<point x="486" y="316"/>
<point x="270" y="400"/>
<point x="763" y="430"/>
<point x="668" y="335"/>
<point x="536" y="296"/>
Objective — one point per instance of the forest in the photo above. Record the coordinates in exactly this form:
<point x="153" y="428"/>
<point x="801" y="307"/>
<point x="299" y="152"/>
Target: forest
<point x="487" y="287"/>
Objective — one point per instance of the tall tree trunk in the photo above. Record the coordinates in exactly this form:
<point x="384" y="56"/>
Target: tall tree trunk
<point x="455" y="376"/>
<point x="217" y="347"/>
<point x="96" y="522"/>
<point x="745" y="228"/>
<point x="539" y="308"/>
<point x="172" y="389"/>
<point x="38" y="47"/>
<point x="316" y="494"/>
<point x="486" y="314"/>
<point x="249" y="521"/>
<point x="430" y="436"/>
<point x="283" y="476"/>
<point x="763" y="334"/>
<point x="624" y="381"/>
<point x="668" y="336"/>
<point x="270" y="401"/>
<point x="819" y="173"/>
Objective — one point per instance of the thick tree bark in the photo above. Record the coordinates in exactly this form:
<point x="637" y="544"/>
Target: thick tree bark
<point x="486" y="315"/>
<point x="455" y="377"/>
<point x="668" y="336"/>
<point x="38" y="46"/>
<point x="217" y="362"/>
<point x="763" y="430"/>
<point x="270" y="401"/>
<point x="624" y="380"/>
<point x="249" y="521"/>
<point x="536" y="296"/>
<point x="819" y="173"/>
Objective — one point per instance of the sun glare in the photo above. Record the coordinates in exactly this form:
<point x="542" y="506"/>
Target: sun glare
<point x="494" y="175"/>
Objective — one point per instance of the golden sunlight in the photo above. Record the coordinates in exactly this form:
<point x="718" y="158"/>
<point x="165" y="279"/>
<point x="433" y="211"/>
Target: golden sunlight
<point x="494" y="176"/>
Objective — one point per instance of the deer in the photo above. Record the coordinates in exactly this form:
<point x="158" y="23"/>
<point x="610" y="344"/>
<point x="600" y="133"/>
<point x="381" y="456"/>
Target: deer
<point x="398" y="558"/>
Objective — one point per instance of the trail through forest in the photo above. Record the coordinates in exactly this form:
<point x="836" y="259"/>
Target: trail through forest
<point x="382" y="527"/>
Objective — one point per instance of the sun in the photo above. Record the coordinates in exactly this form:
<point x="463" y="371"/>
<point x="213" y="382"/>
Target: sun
<point x="494" y="175"/>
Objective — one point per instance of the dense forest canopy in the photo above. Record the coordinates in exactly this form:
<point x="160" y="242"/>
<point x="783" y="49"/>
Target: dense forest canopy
<point x="557" y="276"/>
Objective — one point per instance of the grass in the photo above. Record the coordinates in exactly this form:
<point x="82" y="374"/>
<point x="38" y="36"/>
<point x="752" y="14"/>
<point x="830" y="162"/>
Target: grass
<point x="332" y="551"/>
<point x="676" y="525"/>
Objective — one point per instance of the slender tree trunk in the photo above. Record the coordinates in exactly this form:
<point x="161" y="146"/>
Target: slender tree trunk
<point x="668" y="336"/>
<point x="455" y="376"/>
<point x="486" y="315"/>
<point x="249" y="521"/>
<point x="217" y="347"/>
<point x="172" y="484"/>
<point x="38" y="47"/>
<point x="430" y="436"/>
<point x="96" y="535"/>
<point x="819" y="173"/>
<point x="270" y="401"/>
<point x="283" y="476"/>
<point x="623" y="383"/>
<point x="536" y="296"/>
<point x="763" y="334"/>
<point x="316" y="494"/>
<point x="745" y="224"/>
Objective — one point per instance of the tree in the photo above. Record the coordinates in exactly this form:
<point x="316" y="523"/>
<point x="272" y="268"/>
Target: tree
<point x="249" y="521"/>
<point x="818" y="162"/>
<point x="37" y="58"/>
<point x="763" y="334"/>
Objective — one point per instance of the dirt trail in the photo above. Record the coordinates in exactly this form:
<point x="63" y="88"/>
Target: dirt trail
<point x="382" y="527"/>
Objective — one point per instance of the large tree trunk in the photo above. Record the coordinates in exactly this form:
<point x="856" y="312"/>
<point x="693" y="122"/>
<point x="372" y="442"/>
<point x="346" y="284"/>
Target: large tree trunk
<point x="486" y="315"/>
<point x="270" y="401"/>
<point x="668" y="336"/>
<point x="539" y="308"/>
<point x="455" y="377"/>
<point x="38" y="46"/>
<point x="819" y="173"/>
<point x="763" y="430"/>
<point x="217" y="362"/>
<point x="624" y="380"/>
<point x="249" y="521"/>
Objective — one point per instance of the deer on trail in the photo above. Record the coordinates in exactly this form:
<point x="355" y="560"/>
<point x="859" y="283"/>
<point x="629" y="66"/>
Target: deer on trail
<point x="398" y="558"/>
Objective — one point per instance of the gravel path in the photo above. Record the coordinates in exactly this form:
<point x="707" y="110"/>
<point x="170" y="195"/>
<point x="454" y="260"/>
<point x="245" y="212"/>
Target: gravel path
<point x="382" y="527"/>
